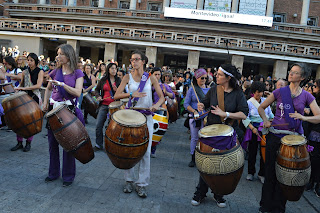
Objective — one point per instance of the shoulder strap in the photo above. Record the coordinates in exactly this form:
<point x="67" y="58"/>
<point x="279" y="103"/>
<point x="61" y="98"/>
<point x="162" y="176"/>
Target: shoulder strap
<point x="254" y="102"/>
<point x="143" y="81"/>
<point x="199" y="92"/>
<point x="288" y="106"/>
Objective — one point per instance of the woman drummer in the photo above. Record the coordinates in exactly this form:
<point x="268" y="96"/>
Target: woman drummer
<point x="289" y="99"/>
<point x="190" y="103"/>
<point x="167" y="91"/>
<point x="236" y="107"/>
<point x="104" y="93"/>
<point x="31" y="82"/>
<point x="66" y="84"/>
<point x="137" y="79"/>
<point x="89" y="82"/>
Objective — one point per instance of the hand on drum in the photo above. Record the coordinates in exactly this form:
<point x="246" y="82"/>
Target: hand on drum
<point x="296" y="116"/>
<point x="266" y="124"/>
<point x="217" y="111"/>
<point x="200" y="107"/>
<point x="99" y="98"/>
<point x="138" y="94"/>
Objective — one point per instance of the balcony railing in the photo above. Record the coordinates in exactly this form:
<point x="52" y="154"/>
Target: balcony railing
<point x="197" y="39"/>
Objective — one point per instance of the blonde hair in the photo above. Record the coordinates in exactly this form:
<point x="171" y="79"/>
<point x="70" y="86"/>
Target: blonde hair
<point x="23" y="64"/>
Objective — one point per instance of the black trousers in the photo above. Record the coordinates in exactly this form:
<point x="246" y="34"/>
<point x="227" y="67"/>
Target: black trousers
<point x="315" y="161"/>
<point x="253" y="149"/>
<point x="202" y="189"/>
<point x="272" y="198"/>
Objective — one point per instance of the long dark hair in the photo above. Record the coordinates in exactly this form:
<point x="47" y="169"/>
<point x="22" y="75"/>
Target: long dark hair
<point x="34" y="57"/>
<point x="107" y="75"/>
<point x="233" y="83"/>
<point x="10" y="60"/>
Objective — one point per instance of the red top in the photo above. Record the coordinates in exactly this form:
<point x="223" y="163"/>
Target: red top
<point x="107" y="94"/>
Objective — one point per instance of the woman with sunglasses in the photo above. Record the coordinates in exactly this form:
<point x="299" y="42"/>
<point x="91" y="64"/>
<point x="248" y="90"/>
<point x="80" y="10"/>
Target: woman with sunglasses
<point x="133" y="80"/>
<point x="31" y="82"/>
<point x="190" y="103"/>
<point x="285" y="122"/>
<point x="236" y="108"/>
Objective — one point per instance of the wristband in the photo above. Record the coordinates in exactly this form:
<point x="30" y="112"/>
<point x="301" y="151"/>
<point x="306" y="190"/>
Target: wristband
<point x="62" y="84"/>
<point x="130" y="95"/>
<point x="227" y="116"/>
<point x="59" y="83"/>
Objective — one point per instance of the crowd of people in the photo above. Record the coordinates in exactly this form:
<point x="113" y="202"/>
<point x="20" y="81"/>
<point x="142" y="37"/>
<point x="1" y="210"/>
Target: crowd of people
<point x="256" y="101"/>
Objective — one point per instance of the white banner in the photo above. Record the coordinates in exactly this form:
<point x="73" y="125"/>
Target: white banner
<point x="218" y="16"/>
<point x="253" y="7"/>
<point x="218" y="5"/>
<point x="187" y="4"/>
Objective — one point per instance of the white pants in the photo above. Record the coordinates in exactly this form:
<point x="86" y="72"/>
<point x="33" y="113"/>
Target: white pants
<point x="144" y="164"/>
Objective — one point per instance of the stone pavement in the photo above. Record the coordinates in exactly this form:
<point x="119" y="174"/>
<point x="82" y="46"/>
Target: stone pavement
<point x="98" y="184"/>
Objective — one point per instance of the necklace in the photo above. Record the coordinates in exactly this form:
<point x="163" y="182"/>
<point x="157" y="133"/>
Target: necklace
<point x="296" y="93"/>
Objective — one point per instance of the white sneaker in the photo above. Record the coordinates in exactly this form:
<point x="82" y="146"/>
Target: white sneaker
<point x="220" y="202"/>
<point x="261" y="178"/>
<point x="250" y="177"/>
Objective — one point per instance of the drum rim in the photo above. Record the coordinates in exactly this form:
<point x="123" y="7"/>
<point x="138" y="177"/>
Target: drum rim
<point x="206" y="136"/>
<point x="126" y="125"/>
<point x="56" y="110"/>
<point x="5" y="84"/>
<point x="117" y="106"/>
<point x="302" y="142"/>
<point x="12" y="96"/>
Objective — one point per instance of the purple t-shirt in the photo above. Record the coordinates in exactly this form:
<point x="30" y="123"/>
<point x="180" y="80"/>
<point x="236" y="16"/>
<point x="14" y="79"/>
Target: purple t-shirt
<point x="299" y="103"/>
<point x="69" y="80"/>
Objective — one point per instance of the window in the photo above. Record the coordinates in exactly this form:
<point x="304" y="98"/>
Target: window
<point x="312" y="21"/>
<point x="124" y="5"/>
<point x="94" y="3"/>
<point x="153" y="6"/>
<point x="278" y="17"/>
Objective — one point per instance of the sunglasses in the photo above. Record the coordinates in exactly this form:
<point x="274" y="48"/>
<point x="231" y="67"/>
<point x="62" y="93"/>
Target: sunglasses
<point x="167" y="76"/>
<point x="204" y="78"/>
<point x="135" y="59"/>
<point x="52" y="65"/>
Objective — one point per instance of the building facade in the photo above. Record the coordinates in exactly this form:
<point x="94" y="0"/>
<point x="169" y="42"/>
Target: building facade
<point x="112" y="29"/>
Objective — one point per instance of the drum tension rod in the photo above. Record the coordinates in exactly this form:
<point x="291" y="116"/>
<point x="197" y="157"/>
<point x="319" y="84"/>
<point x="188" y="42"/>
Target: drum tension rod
<point x="120" y="138"/>
<point x="60" y="120"/>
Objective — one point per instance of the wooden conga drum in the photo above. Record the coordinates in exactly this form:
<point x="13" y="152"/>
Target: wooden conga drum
<point x="90" y="105"/>
<point x="114" y="106"/>
<point x="22" y="114"/>
<point x="124" y="102"/>
<point x="293" y="168"/>
<point x="172" y="106"/>
<point x="7" y="88"/>
<point x="263" y="147"/>
<point x="220" y="169"/>
<point x="127" y="138"/>
<point x="70" y="133"/>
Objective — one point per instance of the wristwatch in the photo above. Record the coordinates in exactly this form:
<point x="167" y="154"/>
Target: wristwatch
<point x="227" y="116"/>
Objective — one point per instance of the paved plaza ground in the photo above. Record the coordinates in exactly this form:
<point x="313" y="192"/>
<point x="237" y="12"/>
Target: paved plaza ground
<point x="98" y="184"/>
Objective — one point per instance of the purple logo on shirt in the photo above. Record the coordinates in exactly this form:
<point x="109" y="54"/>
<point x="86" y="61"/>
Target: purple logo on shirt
<point x="287" y="106"/>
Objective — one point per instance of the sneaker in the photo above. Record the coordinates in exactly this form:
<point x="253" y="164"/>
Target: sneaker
<point x="196" y="200"/>
<point x="261" y="178"/>
<point x="128" y="187"/>
<point x="18" y="146"/>
<point x="141" y="190"/>
<point x="220" y="201"/>
<point x="250" y="177"/>
<point x="153" y="155"/>
<point x="66" y="184"/>
<point x="27" y="147"/>
<point x="317" y="190"/>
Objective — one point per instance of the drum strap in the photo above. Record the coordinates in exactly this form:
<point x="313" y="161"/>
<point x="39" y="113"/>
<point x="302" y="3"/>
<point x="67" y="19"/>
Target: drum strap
<point x="220" y="97"/>
<point x="143" y="81"/>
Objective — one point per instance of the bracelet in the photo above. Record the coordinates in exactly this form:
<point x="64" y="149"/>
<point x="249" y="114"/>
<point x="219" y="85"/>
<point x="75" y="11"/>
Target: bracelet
<point x="227" y="116"/>
<point x="130" y="95"/>
<point x="62" y="84"/>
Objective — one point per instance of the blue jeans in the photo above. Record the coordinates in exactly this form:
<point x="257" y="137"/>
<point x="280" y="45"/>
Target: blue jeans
<point x="101" y="119"/>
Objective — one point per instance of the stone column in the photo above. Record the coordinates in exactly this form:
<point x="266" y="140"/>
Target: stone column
<point x="42" y="2"/>
<point x="237" y="61"/>
<point x="94" y="55"/>
<point x="76" y="46"/>
<point x="318" y="72"/>
<point x="305" y="12"/>
<point x="151" y="53"/>
<point x="110" y="51"/>
<point x="234" y="6"/>
<point x="193" y="59"/>
<point x="166" y="3"/>
<point x="280" y="69"/>
<point x="200" y="4"/>
<point x="71" y="3"/>
<point x="270" y="7"/>
<point x="133" y="4"/>
<point x="101" y="3"/>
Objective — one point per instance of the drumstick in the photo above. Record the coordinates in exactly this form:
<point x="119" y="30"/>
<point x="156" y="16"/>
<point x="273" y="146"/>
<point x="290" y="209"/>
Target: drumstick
<point x="195" y="92"/>
<point x="260" y="137"/>
<point x="202" y="115"/>
<point x="285" y="124"/>
<point x="143" y="108"/>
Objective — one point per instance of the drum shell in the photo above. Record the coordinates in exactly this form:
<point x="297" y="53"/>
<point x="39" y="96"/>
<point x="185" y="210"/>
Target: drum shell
<point x="263" y="148"/>
<point x="172" y="105"/>
<point x="114" y="109"/>
<point x="90" y="105"/>
<point x="8" y="88"/>
<point x="71" y="135"/>
<point x="221" y="170"/>
<point x="23" y="115"/>
<point x="293" y="174"/>
<point x="160" y="126"/>
<point x="126" y="145"/>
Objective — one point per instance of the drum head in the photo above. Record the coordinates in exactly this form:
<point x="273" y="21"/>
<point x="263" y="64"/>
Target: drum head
<point x="124" y="100"/>
<point x="293" y="140"/>
<point x="115" y="104"/>
<point x="13" y="96"/>
<point x="129" y="117"/>
<point x="215" y="130"/>
<point x="55" y="110"/>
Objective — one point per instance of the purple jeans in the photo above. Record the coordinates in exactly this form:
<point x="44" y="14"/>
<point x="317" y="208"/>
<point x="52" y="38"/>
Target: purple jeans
<point x="194" y="134"/>
<point x="69" y="164"/>
<point x="20" y="138"/>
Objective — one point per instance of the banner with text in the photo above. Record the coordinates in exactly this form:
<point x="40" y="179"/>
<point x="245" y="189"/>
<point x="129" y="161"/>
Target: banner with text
<point x="218" y="5"/>
<point x="187" y="4"/>
<point x="218" y="16"/>
<point x="253" y="7"/>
